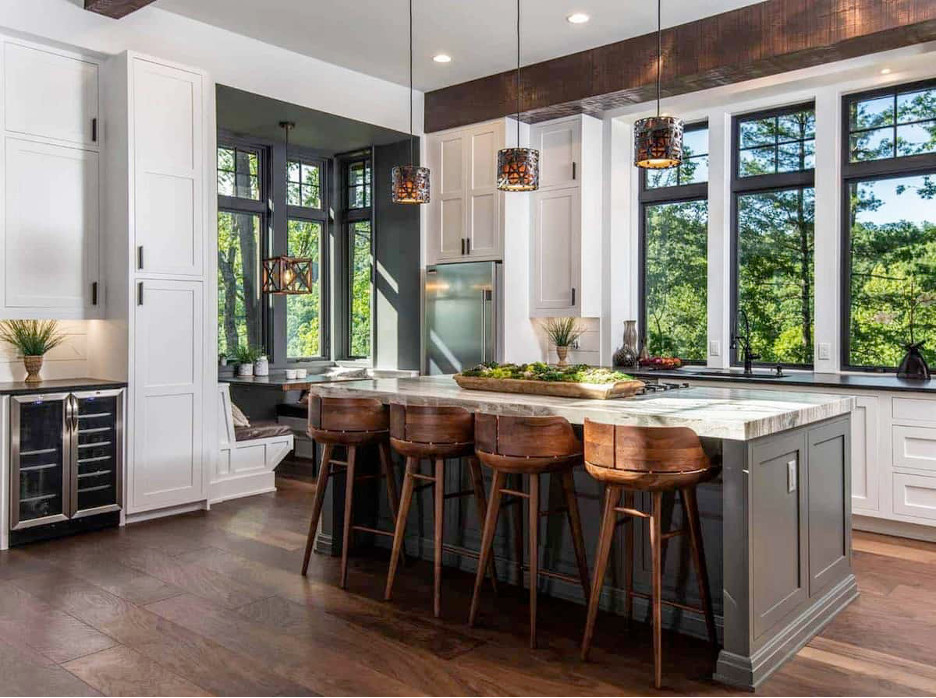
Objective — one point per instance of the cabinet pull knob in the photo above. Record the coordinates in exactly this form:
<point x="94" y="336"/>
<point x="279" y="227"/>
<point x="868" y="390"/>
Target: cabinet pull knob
<point x="94" y="293"/>
<point x="140" y="293"/>
<point x="573" y="170"/>
<point x="140" y="257"/>
<point x="573" y="296"/>
<point x="94" y="134"/>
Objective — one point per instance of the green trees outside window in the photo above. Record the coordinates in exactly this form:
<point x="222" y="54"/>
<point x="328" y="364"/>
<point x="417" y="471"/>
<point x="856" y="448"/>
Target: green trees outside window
<point x="239" y="310"/>
<point x="361" y="288"/>
<point x="304" y="312"/>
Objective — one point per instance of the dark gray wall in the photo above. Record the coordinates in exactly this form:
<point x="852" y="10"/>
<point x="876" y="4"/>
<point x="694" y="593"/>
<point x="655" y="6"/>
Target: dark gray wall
<point x="397" y="280"/>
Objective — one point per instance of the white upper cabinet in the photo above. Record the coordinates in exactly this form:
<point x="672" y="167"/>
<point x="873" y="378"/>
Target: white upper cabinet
<point x="50" y="94"/>
<point x="565" y="249"/>
<point x="52" y="227"/>
<point x="166" y="123"/>
<point x="466" y="208"/>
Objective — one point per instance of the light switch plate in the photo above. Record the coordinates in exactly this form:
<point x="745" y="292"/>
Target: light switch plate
<point x="825" y="351"/>
<point x="714" y="348"/>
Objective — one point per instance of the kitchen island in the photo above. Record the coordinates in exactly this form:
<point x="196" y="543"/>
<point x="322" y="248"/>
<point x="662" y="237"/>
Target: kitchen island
<point x="776" y="524"/>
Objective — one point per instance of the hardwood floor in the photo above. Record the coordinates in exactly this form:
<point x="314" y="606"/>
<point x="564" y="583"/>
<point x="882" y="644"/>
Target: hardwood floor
<point x="213" y="603"/>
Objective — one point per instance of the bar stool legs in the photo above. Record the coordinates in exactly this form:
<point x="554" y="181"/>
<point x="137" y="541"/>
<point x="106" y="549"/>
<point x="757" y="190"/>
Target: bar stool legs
<point x="609" y="521"/>
<point x="321" y="483"/>
<point x="487" y="540"/>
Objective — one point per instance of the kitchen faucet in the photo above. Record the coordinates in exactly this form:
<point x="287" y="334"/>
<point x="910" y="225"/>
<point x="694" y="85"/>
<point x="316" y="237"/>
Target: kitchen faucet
<point x="744" y="342"/>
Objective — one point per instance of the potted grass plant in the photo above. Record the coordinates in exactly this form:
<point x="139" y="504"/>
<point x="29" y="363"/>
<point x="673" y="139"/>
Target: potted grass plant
<point x="563" y="332"/>
<point x="33" y="339"/>
<point x="246" y="356"/>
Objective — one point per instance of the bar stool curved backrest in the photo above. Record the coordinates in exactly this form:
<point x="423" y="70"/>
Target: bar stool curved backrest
<point x="633" y="453"/>
<point x="355" y="419"/>
<point x="537" y="439"/>
<point x="445" y="428"/>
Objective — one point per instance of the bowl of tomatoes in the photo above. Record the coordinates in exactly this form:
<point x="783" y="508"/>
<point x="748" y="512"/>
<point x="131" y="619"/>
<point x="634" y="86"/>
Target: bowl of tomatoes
<point x="661" y="363"/>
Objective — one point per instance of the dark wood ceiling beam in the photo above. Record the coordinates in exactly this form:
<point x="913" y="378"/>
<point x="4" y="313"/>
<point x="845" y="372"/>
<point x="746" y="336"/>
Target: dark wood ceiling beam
<point x="115" y="8"/>
<point x="759" y="40"/>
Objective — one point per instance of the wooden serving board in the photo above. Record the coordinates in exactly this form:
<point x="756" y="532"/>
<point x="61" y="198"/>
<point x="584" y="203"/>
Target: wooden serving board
<point x="593" y="391"/>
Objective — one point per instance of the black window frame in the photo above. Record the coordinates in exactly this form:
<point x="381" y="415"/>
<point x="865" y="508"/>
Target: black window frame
<point x="654" y="196"/>
<point x="895" y="167"/>
<point x="347" y="217"/>
<point x="760" y="184"/>
<point x="256" y="207"/>
<point x="310" y="215"/>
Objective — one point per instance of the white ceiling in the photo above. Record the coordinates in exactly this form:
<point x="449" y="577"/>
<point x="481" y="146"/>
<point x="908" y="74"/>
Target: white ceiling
<point x="370" y="36"/>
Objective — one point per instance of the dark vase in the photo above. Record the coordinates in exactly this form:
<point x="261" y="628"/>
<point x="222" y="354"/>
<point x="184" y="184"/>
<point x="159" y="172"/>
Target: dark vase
<point x="914" y="365"/>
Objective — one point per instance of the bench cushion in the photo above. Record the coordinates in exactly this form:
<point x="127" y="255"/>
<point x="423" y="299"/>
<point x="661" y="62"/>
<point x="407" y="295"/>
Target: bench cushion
<point x="291" y="409"/>
<point x="261" y="430"/>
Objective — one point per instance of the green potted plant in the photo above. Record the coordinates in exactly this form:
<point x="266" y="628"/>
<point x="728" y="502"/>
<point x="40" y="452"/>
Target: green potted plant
<point x="33" y="339"/>
<point x="563" y="332"/>
<point x="245" y="360"/>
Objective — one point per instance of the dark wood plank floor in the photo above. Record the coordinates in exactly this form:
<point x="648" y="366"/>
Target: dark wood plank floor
<point x="212" y="603"/>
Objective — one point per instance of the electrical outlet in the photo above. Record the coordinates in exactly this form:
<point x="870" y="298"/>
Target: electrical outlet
<point x="714" y="348"/>
<point x="825" y="351"/>
<point x="791" y="476"/>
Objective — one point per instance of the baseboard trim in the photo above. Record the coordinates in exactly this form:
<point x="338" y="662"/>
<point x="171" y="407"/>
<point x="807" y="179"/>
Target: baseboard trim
<point x="167" y="511"/>
<point x="901" y="529"/>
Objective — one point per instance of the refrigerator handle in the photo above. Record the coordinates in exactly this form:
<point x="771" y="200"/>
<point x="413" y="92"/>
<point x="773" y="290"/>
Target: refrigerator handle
<point x="483" y="326"/>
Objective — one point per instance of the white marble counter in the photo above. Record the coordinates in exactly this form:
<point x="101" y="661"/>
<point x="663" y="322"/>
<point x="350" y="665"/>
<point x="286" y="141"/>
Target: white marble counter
<point x="722" y="413"/>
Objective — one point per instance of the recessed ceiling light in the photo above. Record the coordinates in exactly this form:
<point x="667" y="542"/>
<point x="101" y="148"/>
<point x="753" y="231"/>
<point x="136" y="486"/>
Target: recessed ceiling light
<point x="885" y="71"/>
<point x="577" y="18"/>
<point x="442" y="58"/>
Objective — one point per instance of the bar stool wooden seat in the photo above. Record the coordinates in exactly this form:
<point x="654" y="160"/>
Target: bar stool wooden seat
<point x="529" y="447"/>
<point x="434" y="433"/>
<point x="655" y="460"/>
<point x="352" y="423"/>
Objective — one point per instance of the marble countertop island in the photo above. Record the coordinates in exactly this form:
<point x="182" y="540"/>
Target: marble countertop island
<point x="723" y="413"/>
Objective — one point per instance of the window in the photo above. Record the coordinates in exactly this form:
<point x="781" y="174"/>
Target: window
<point x="673" y="251"/>
<point x="239" y="306"/>
<point x="362" y="292"/>
<point x="304" y="317"/>
<point x="238" y="173"/>
<point x="889" y="171"/>
<point x="774" y="234"/>
<point x="304" y="184"/>
<point x="359" y="184"/>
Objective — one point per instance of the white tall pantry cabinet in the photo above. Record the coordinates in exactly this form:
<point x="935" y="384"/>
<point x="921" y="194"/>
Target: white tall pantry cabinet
<point x="159" y="128"/>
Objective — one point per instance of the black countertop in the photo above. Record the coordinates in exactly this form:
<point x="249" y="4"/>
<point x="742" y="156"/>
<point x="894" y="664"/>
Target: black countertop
<point x="58" y="386"/>
<point x="870" y="381"/>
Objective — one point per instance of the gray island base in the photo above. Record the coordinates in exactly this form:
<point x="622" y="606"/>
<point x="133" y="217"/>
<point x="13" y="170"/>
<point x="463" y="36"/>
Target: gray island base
<point x="776" y="524"/>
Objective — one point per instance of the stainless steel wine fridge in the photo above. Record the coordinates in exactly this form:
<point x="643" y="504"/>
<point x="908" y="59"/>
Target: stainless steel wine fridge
<point x="66" y="463"/>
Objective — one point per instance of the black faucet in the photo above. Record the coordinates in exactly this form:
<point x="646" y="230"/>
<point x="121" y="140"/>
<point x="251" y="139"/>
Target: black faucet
<point x="744" y="342"/>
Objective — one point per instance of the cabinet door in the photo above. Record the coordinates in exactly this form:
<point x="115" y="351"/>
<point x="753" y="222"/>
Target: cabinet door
<point x="556" y="252"/>
<point x="50" y="95"/>
<point x="559" y="145"/>
<point x="168" y="395"/>
<point x="483" y="239"/>
<point x="450" y="219"/>
<point x="864" y="454"/>
<point x="52" y="225"/>
<point x="168" y="147"/>
<point x="829" y="506"/>
<point x="97" y="453"/>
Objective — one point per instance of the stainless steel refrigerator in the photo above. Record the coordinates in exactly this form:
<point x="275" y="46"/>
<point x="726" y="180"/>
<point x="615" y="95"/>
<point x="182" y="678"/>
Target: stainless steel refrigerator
<point x="464" y="316"/>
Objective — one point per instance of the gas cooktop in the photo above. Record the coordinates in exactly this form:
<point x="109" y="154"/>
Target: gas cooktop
<point x="650" y="388"/>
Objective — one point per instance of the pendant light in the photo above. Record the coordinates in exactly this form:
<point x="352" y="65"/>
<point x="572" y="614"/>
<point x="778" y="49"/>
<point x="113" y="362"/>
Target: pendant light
<point x="658" y="140"/>
<point x="285" y="275"/>
<point x="410" y="183"/>
<point x="518" y="168"/>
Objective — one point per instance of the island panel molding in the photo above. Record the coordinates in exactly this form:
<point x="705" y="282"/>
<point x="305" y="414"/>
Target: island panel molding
<point x="115" y="8"/>
<point x="756" y="41"/>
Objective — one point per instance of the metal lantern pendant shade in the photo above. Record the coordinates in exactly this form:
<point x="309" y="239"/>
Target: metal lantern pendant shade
<point x="658" y="142"/>
<point x="518" y="168"/>
<point x="289" y="276"/>
<point x="410" y="184"/>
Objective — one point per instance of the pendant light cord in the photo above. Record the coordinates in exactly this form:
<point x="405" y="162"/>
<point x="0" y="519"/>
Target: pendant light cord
<point x="411" y="144"/>
<point x="518" y="73"/>
<point x="659" y="50"/>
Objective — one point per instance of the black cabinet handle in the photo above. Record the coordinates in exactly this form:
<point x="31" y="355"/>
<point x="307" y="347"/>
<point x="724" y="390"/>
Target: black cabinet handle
<point x="94" y="130"/>
<point x="573" y="296"/>
<point x="140" y="257"/>
<point x="140" y="293"/>
<point x="463" y="247"/>
<point x="94" y="293"/>
<point x="468" y="245"/>
<point x="573" y="170"/>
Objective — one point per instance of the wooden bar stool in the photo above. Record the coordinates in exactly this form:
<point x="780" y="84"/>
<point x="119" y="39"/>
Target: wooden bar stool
<point x="655" y="460"/>
<point x="434" y="433"/>
<point x="529" y="446"/>
<point x="352" y="423"/>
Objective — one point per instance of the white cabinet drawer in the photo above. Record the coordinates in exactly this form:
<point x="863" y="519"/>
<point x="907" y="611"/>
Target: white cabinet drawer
<point x="914" y="408"/>
<point x="915" y="447"/>
<point x="915" y="495"/>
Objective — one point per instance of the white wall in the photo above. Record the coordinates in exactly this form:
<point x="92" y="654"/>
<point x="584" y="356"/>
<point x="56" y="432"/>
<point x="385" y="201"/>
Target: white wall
<point x="69" y="360"/>
<point x="231" y="59"/>
<point x="826" y="86"/>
